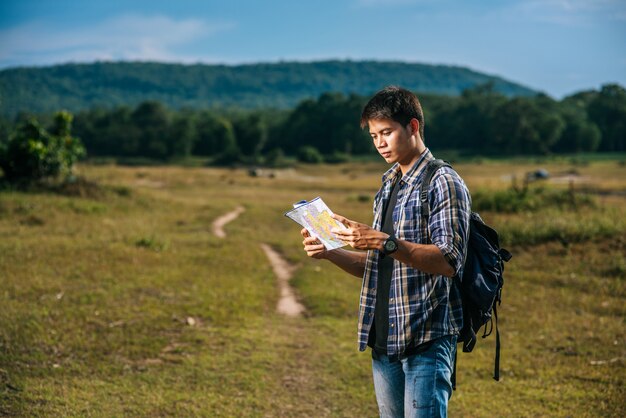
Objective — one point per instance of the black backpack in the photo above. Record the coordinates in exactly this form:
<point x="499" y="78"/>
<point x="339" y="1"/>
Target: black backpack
<point x="482" y="280"/>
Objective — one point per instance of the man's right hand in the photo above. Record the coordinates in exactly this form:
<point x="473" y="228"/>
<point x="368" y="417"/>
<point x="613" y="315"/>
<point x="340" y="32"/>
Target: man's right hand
<point x="312" y="246"/>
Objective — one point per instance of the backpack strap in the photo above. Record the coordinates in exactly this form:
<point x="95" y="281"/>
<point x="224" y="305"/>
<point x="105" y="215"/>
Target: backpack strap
<point x="496" y="367"/>
<point x="429" y="172"/>
<point x="453" y="377"/>
<point x="431" y="168"/>
<point x="504" y="254"/>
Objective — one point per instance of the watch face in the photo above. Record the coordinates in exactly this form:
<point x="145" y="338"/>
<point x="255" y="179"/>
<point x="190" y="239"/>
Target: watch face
<point x="390" y="245"/>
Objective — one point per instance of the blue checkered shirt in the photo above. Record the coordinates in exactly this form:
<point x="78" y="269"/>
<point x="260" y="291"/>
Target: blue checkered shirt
<point x="422" y="306"/>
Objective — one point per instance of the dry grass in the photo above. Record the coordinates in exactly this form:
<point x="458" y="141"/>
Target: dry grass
<point x="97" y="295"/>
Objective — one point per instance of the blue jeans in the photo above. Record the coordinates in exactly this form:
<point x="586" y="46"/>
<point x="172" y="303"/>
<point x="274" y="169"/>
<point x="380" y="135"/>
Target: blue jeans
<point x="418" y="385"/>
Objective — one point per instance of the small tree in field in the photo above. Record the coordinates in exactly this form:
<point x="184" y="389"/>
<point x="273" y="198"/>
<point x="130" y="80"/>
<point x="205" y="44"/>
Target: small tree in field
<point x="33" y="153"/>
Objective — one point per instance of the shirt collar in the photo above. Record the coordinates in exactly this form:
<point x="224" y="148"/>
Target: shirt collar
<point x="414" y="172"/>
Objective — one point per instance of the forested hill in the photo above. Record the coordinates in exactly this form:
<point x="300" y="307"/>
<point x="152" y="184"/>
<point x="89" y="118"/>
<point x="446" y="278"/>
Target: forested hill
<point x="281" y="85"/>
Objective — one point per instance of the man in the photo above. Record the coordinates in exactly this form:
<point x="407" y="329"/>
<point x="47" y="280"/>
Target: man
<point x="410" y="313"/>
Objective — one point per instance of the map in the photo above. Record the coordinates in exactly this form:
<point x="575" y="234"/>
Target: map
<point x="315" y="216"/>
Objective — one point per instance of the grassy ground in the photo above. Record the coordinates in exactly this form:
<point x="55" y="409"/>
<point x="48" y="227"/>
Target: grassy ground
<point x="125" y="304"/>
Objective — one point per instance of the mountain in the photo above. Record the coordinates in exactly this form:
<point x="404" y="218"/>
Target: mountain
<point x="281" y="85"/>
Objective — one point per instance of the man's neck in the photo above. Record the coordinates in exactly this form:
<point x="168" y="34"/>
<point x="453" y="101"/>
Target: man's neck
<point x="410" y="161"/>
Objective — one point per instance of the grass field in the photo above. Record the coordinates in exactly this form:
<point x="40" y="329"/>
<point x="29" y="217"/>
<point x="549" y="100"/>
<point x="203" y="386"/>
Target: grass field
<point x="123" y="303"/>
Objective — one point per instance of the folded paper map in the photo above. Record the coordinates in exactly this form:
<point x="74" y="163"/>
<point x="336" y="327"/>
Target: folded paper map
<point x="316" y="217"/>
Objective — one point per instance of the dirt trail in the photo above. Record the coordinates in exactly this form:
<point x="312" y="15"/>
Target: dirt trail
<point x="287" y="305"/>
<point x="218" y="224"/>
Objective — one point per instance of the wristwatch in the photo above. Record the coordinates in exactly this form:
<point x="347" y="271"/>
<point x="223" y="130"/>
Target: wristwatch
<point x="390" y="245"/>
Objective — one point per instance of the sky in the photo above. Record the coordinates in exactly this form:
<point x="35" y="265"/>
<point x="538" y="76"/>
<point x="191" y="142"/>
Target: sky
<point x="556" y="46"/>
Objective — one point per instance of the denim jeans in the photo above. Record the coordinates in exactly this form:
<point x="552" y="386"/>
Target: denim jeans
<point x="418" y="385"/>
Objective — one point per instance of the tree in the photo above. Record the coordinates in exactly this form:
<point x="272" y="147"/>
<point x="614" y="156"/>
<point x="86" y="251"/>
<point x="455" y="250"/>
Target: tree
<point x="308" y="154"/>
<point x="229" y="153"/>
<point x="580" y="134"/>
<point x="330" y="124"/>
<point x="181" y="135"/>
<point x="608" y="111"/>
<point x="214" y="135"/>
<point x="32" y="153"/>
<point x="151" y="120"/>
<point x="251" y="133"/>
<point x="469" y="126"/>
<point x="520" y="126"/>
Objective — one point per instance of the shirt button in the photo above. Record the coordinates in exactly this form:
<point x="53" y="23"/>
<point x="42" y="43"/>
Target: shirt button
<point x="370" y="314"/>
<point x="391" y="325"/>
<point x="391" y="300"/>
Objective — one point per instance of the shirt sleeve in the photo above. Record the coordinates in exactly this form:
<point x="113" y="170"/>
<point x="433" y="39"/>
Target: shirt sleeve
<point x="450" y="207"/>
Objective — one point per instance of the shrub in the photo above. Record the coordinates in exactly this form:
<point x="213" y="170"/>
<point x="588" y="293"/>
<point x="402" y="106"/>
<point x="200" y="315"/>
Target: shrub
<point x="310" y="155"/>
<point x="32" y="153"/>
<point x="275" y="158"/>
<point x="337" y="158"/>
<point x="563" y="227"/>
<point x="530" y="199"/>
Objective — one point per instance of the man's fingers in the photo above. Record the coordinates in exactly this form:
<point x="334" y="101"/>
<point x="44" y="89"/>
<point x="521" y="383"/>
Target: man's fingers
<point x="310" y="241"/>
<point x="341" y="233"/>
<point x="304" y="232"/>
<point x="347" y="222"/>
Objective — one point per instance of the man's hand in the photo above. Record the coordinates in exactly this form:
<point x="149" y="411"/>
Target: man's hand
<point x="359" y="236"/>
<point x="312" y="246"/>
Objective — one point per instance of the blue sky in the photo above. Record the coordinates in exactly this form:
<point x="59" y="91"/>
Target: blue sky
<point x="557" y="46"/>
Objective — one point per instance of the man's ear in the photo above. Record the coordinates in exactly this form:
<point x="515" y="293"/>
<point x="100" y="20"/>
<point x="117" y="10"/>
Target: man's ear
<point x="415" y="126"/>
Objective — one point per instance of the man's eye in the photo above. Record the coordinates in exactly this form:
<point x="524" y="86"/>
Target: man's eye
<point x="387" y="133"/>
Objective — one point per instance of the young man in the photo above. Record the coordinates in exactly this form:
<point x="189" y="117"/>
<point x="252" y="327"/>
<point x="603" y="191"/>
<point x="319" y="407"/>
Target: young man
<point x="410" y="313"/>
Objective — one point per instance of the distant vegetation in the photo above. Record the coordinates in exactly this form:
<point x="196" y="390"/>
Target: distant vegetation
<point x="76" y="87"/>
<point x="33" y="153"/>
<point x="480" y="121"/>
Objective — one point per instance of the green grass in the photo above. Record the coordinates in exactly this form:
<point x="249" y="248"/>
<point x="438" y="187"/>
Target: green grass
<point x="125" y="304"/>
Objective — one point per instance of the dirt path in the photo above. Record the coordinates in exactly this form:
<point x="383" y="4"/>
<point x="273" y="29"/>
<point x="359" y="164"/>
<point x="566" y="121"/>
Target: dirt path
<point x="218" y="224"/>
<point x="287" y="305"/>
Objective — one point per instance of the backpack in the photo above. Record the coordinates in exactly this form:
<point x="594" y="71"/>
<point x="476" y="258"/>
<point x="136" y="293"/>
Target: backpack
<point x="481" y="282"/>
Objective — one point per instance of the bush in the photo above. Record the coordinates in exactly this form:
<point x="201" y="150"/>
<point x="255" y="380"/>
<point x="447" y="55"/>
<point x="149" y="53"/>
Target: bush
<point x="564" y="227"/>
<point x="309" y="155"/>
<point x="32" y="153"/>
<point x="531" y="199"/>
<point x="337" y="158"/>
<point x="276" y="158"/>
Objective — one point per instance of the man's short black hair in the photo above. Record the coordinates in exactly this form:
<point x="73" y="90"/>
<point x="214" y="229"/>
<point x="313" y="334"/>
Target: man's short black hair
<point x="394" y="103"/>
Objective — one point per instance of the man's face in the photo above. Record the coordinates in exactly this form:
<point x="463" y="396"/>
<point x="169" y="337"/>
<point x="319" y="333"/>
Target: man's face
<point x="394" y="142"/>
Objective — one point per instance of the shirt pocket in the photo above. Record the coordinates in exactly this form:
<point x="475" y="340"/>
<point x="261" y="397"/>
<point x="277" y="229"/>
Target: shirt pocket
<point x="410" y="226"/>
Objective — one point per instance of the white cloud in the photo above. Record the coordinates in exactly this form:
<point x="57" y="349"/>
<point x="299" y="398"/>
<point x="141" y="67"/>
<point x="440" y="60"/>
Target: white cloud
<point x="573" y="12"/>
<point x="127" y="37"/>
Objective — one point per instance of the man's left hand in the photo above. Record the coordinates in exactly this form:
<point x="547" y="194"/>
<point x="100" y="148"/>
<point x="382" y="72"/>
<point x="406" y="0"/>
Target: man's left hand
<point x="359" y="236"/>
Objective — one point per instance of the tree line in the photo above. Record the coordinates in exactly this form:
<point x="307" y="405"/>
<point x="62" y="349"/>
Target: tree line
<point x="480" y="121"/>
<point x="251" y="86"/>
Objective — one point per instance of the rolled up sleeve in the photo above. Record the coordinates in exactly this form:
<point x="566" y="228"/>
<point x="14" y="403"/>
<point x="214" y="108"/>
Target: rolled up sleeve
<point x="448" y="225"/>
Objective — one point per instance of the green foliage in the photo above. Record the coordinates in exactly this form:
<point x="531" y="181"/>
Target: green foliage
<point x="608" y="110"/>
<point x="230" y="153"/>
<point x="482" y="121"/>
<point x="310" y="155"/>
<point x="531" y="199"/>
<point x="32" y="153"/>
<point x="337" y="157"/>
<point x="254" y="86"/>
<point x="275" y="158"/>
<point x="330" y="124"/>
<point x="554" y="225"/>
<point x="151" y="243"/>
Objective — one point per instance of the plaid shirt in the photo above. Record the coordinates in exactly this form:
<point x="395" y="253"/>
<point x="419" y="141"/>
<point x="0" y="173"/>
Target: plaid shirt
<point x="422" y="306"/>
